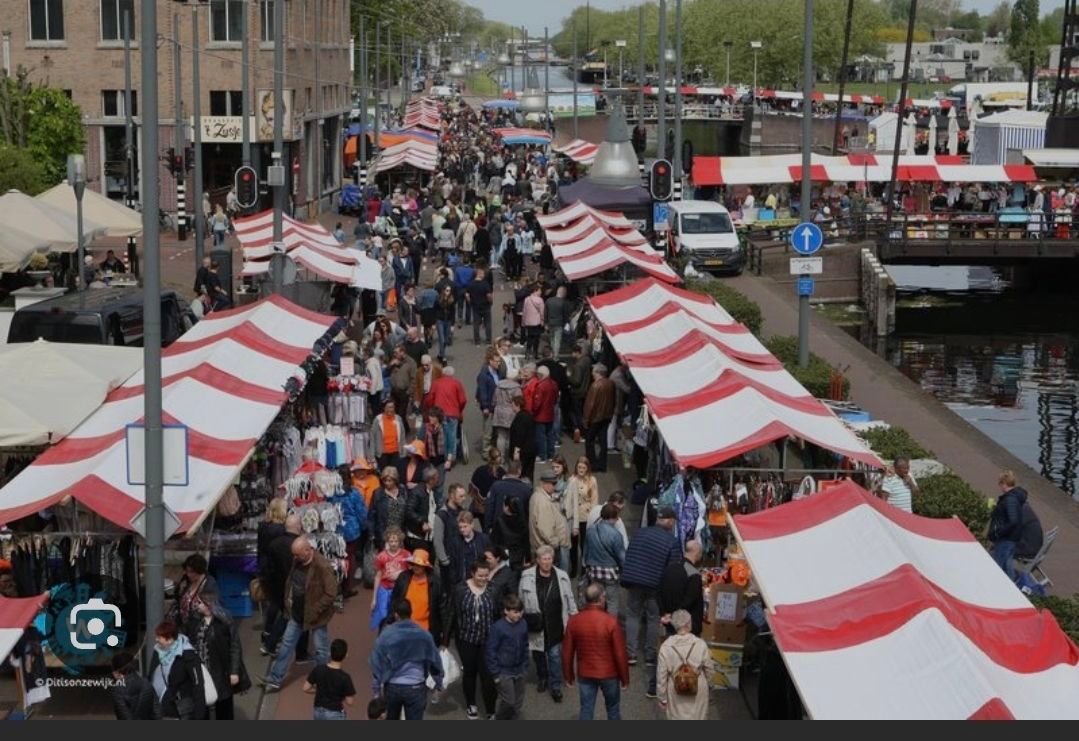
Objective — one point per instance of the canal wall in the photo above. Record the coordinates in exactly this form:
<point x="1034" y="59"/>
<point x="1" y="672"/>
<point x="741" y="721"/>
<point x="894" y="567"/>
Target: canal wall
<point x="890" y="396"/>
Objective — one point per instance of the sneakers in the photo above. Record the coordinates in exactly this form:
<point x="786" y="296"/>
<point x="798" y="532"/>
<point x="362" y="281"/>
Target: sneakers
<point x="651" y="693"/>
<point x="266" y="652"/>
<point x="269" y="686"/>
<point x="541" y="686"/>
<point x="633" y="661"/>
<point x="473" y="712"/>
<point x="556" y="696"/>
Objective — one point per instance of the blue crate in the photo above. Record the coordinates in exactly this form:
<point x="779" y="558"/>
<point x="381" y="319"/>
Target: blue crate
<point x="238" y="605"/>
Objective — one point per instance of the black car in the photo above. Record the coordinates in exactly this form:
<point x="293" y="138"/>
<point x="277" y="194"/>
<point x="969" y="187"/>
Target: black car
<point x="105" y="316"/>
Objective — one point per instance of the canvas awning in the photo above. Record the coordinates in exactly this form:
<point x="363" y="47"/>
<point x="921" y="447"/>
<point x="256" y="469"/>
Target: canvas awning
<point x="225" y="380"/>
<point x="880" y="614"/>
<point x="51" y="387"/>
<point x="15" y="615"/>
<point x="514" y="136"/>
<point x="17" y="248"/>
<point x="1053" y="158"/>
<point x="702" y="371"/>
<point x="118" y="220"/>
<point x="45" y="221"/>
<point x="580" y="151"/>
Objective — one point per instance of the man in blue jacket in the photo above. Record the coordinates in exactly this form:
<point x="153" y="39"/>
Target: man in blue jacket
<point x="403" y="657"/>
<point x="462" y="276"/>
<point x="507" y="657"/>
<point x="651" y="550"/>
<point x="486" y="385"/>
<point x="1014" y="529"/>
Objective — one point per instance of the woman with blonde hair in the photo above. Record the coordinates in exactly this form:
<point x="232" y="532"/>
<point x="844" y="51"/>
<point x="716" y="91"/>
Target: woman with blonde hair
<point x="582" y="494"/>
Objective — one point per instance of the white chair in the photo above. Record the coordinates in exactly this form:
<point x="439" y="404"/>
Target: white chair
<point x="1032" y="566"/>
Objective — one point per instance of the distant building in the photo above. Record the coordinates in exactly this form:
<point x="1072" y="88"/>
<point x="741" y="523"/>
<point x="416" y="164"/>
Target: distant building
<point x="955" y="60"/>
<point x="942" y="34"/>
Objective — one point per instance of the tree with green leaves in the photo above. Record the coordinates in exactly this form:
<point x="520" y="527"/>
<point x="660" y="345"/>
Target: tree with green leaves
<point x="999" y="20"/>
<point x="43" y="121"/>
<point x="1024" y="35"/>
<point x="20" y="170"/>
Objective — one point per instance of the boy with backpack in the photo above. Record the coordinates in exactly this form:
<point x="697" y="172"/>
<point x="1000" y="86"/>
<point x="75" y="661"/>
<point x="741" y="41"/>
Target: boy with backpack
<point x="331" y="685"/>
<point x="684" y="672"/>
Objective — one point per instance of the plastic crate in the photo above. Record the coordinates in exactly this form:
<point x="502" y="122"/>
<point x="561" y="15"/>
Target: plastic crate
<point x="233" y="582"/>
<point x="238" y="605"/>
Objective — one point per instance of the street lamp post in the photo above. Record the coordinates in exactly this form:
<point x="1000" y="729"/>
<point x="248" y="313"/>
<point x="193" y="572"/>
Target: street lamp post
<point x="76" y="178"/>
<point x="756" y="46"/>
<point x="727" y="45"/>
<point x="621" y="44"/>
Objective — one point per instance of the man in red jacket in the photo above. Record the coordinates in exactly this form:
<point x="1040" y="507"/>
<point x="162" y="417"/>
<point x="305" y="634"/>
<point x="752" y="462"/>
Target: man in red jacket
<point x="595" y="637"/>
<point x="448" y="394"/>
<point x="544" y="400"/>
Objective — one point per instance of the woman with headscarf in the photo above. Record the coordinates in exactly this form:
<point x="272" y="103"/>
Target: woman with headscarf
<point x="216" y="640"/>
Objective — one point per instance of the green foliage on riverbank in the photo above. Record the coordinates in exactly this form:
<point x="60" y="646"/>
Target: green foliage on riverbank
<point x="736" y="303"/>
<point x="894" y="442"/>
<point x="481" y="84"/>
<point x="816" y="377"/>
<point x="946" y="495"/>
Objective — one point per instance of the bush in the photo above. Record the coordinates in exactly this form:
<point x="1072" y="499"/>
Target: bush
<point x="816" y="377"/>
<point x="946" y="495"/>
<point x="894" y="442"/>
<point x="1064" y="609"/>
<point x="736" y="303"/>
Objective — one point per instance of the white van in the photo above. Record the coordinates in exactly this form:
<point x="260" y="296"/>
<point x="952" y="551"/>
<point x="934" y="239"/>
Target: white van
<point x="703" y="230"/>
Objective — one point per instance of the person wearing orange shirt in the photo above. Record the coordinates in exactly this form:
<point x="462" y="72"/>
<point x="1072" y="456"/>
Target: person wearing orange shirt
<point x="365" y="479"/>
<point x="422" y="587"/>
<point x="388" y="436"/>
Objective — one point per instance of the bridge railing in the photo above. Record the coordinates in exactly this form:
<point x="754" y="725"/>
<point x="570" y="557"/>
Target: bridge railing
<point x="693" y="112"/>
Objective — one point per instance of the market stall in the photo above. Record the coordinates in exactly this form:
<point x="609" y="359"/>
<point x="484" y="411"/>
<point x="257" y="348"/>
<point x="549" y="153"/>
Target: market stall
<point x="116" y="219"/>
<point x="514" y="137"/>
<point x="580" y="151"/>
<point x="1003" y="136"/>
<point x="883" y="614"/>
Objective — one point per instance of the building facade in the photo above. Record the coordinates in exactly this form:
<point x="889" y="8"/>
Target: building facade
<point x="955" y="60"/>
<point x="78" y="46"/>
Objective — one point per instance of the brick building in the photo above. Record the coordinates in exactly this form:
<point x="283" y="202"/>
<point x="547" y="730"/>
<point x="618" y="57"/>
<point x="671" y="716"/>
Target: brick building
<point x="77" y="46"/>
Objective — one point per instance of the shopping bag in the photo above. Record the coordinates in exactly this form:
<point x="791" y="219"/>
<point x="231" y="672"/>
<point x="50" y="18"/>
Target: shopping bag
<point x="451" y="669"/>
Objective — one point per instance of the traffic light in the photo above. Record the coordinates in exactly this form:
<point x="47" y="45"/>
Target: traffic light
<point x="247" y="187"/>
<point x="189" y="157"/>
<point x="661" y="182"/>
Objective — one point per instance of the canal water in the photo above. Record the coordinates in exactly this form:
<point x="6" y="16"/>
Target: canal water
<point x="1006" y="360"/>
<point x="561" y="77"/>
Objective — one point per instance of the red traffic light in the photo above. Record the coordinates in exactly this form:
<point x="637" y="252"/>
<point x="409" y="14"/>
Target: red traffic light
<point x="661" y="169"/>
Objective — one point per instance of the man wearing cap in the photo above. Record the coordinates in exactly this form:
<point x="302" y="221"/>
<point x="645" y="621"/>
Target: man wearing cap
<point x="651" y="550"/>
<point x="422" y="587"/>
<point x="598" y="411"/>
<point x="546" y="521"/>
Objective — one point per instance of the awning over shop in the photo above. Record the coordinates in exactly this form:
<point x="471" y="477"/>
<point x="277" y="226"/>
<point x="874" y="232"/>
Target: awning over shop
<point x="513" y="137"/>
<point x="51" y="387"/>
<point x="884" y="614"/>
<point x="577" y="210"/>
<point x="598" y="241"/>
<point x="1053" y="158"/>
<point x="610" y="254"/>
<point x="15" y="615"/>
<point x="225" y="380"/>
<point x="426" y="113"/>
<point x="364" y="274"/>
<point x="787" y="169"/>
<point x="117" y="220"/>
<point x="419" y="154"/>
<point x="580" y="151"/>
<point x="45" y="222"/>
<point x="713" y="389"/>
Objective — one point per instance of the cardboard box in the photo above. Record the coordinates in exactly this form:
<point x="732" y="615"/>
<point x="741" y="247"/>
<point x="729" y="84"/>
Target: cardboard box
<point x="727" y="613"/>
<point x="728" y="661"/>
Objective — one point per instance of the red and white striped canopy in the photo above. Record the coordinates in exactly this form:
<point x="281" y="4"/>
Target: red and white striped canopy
<point x="787" y="168"/>
<point x="578" y="210"/>
<point x="365" y="273"/>
<point x="730" y="92"/>
<point x="589" y="246"/>
<point x="589" y="231"/>
<point x="713" y="389"/>
<point x="579" y="150"/>
<point x="15" y="615"/>
<point x="419" y="154"/>
<point x="885" y="615"/>
<point x="224" y="379"/>
<point x="425" y="113"/>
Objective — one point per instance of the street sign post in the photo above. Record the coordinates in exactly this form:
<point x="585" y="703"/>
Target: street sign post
<point x="807" y="265"/>
<point x="806" y="238"/>
<point x="805" y="287"/>
<point x="661" y="215"/>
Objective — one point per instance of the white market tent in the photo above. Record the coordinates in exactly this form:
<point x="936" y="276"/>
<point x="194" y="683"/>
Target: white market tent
<point x="51" y="387"/>
<point x="17" y="247"/>
<point x="45" y="221"/>
<point x="117" y="219"/>
<point x="881" y="614"/>
<point x="1003" y="132"/>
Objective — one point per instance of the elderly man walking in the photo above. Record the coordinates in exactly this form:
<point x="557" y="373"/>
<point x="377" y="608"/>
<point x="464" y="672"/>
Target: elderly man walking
<point x="309" y="597"/>
<point x="548" y="602"/>
<point x="595" y="639"/>
<point x="598" y="411"/>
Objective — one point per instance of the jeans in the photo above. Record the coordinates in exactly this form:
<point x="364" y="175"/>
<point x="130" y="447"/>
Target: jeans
<point x="1003" y="553"/>
<point x="324" y="714"/>
<point x="450" y="427"/>
<point x="219" y="237"/>
<point x="445" y="336"/>
<point x="411" y="697"/>
<point x="549" y="666"/>
<point x="464" y="310"/>
<point x="556" y="427"/>
<point x="612" y="696"/>
<point x="597" y="434"/>
<point x="556" y="341"/>
<point x="511" y="696"/>
<point x="481" y="316"/>
<point x="642" y="606"/>
<point x="275" y="624"/>
<point x="288" y="644"/>
<point x="545" y="440"/>
<point x="532" y="340"/>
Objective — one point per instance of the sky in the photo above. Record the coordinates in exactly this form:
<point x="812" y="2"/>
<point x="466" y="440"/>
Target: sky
<point x="535" y="15"/>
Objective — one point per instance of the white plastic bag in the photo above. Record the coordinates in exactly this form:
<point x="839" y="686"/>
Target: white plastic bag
<point x="451" y="669"/>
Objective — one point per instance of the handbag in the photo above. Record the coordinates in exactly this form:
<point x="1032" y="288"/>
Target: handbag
<point x="208" y="685"/>
<point x="257" y="590"/>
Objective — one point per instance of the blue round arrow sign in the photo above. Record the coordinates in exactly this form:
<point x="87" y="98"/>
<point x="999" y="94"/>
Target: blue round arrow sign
<point x="806" y="238"/>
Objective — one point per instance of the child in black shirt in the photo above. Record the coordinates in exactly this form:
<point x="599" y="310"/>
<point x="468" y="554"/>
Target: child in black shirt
<point x="331" y="685"/>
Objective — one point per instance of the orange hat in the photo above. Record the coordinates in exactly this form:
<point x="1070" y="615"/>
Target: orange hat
<point x="362" y="464"/>
<point x="420" y="557"/>
<point x="416" y="447"/>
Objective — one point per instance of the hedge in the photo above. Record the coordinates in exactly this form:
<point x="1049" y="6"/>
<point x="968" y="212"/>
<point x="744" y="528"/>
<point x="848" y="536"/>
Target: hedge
<point x="1064" y="609"/>
<point x="736" y="303"/>
<point x="816" y="377"/>
<point x="894" y="442"/>
<point x="946" y="495"/>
